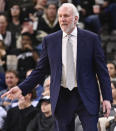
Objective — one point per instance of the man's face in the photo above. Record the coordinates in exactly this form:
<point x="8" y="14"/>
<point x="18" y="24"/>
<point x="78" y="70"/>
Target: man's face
<point x="11" y="80"/>
<point x="3" y="24"/>
<point x="111" y="70"/>
<point x="26" y="41"/>
<point x="51" y="12"/>
<point x="67" y="20"/>
<point x="15" y="10"/>
<point x="45" y="107"/>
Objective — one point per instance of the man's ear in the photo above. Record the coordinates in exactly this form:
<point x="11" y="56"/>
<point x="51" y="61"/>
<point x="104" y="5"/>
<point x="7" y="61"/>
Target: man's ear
<point x="76" y="19"/>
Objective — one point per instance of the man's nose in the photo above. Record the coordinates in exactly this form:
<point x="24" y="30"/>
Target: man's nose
<point x="62" y="18"/>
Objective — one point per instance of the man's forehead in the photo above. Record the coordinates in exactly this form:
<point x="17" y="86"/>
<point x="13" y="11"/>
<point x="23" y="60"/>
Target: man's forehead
<point x="64" y="10"/>
<point x="10" y="73"/>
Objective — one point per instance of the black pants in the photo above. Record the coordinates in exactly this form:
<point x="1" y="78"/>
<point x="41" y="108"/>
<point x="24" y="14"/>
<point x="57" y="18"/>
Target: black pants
<point x="69" y="103"/>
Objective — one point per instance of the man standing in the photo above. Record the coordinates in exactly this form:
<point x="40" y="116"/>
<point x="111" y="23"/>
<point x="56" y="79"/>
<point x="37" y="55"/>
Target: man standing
<point x="74" y="57"/>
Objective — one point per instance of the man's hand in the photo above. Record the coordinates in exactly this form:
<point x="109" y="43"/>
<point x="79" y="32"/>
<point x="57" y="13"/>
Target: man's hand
<point x="106" y="108"/>
<point x="13" y="93"/>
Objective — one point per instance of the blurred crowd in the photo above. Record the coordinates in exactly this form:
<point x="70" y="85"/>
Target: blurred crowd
<point x="23" y="25"/>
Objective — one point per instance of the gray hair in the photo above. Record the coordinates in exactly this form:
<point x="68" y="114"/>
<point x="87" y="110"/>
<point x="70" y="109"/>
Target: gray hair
<point x="71" y="6"/>
<point x="46" y="80"/>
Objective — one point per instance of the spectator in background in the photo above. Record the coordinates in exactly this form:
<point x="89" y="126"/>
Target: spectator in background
<point x="86" y="8"/>
<point x="113" y="85"/>
<point x="100" y="16"/>
<point x="3" y="114"/>
<point x="11" y="80"/>
<point x="2" y="5"/>
<point x="46" y="86"/>
<point x="2" y="56"/>
<point x="36" y="54"/>
<point x="40" y="7"/>
<point x="110" y="11"/>
<point x="104" y="122"/>
<point x="112" y="70"/>
<point x="25" y="5"/>
<point x="38" y="89"/>
<point x="36" y="12"/>
<point x="6" y="35"/>
<point x="41" y="90"/>
<point x="27" y="27"/>
<point x="103" y="14"/>
<point x="91" y="14"/>
<point x="111" y="125"/>
<point x="92" y="22"/>
<point x="25" y="55"/>
<point x="48" y="23"/>
<point x="43" y="121"/>
<point x="18" y="117"/>
<point x="46" y="90"/>
<point x="15" y="20"/>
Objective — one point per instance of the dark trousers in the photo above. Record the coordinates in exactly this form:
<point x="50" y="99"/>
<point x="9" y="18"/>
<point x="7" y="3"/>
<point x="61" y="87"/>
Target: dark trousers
<point x="69" y="103"/>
